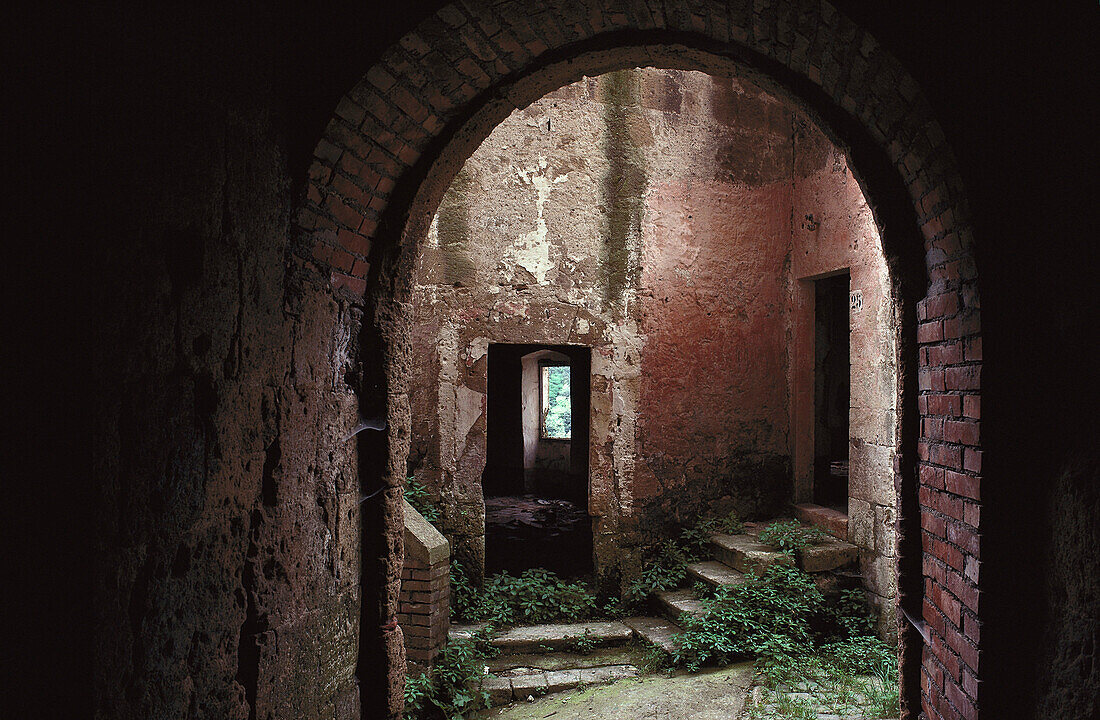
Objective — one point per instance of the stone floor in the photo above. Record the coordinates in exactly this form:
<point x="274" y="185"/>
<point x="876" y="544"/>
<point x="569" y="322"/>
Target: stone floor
<point x="731" y="693"/>
<point x="713" y="695"/>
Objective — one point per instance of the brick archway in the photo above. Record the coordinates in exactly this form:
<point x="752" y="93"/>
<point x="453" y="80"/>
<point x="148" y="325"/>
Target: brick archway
<point x="401" y="134"/>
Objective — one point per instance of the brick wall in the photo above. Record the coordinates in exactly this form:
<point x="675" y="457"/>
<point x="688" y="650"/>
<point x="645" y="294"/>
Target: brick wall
<point x="447" y="83"/>
<point x="423" y="605"/>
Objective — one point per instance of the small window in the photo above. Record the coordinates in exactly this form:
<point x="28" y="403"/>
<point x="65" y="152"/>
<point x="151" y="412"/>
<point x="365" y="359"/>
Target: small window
<point x="555" y="404"/>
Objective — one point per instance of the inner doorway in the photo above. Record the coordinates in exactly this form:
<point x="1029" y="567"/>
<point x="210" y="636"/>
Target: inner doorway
<point x="832" y="390"/>
<point x="536" y="471"/>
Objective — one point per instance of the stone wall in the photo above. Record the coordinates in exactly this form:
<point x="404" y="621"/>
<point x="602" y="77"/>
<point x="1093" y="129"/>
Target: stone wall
<point x="227" y="542"/>
<point x="648" y="215"/>
<point x="835" y="231"/>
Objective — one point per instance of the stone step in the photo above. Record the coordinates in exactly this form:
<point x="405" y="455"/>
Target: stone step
<point x="524" y="683"/>
<point x="674" y="603"/>
<point x="508" y="663"/>
<point x="655" y="631"/>
<point x="715" y="573"/>
<point x="547" y="638"/>
<point x="745" y="554"/>
<point x="464" y="632"/>
<point x="831" y="521"/>
<point x="829" y="555"/>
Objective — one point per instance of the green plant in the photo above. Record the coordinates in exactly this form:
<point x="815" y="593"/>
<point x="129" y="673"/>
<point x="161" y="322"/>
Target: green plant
<point x="586" y="643"/>
<point x="862" y="656"/>
<point x="854" y="678"/>
<point x="767" y="616"/>
<point x="464" y="596"/>
<point x="614" y="609"/>
<point x="694" y="540"/>
<point x="418" y="694"/>
<point x="666" y="568"/>
<point x="846" y="615"/>
<point x="452" y="688"/>
<point x="536" y="596"/>
<point x="790" y="536"/>
<point x="422" y="500"/>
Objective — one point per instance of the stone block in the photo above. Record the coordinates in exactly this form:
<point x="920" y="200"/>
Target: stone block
<point x="886" y="531"/>
<point x="423" y="543"/>
<point x="745" y="554"/>
<point x="674" y="603"/>
<point x="861" y="523"/>
<point x="879" y="575"/>
<point x="831" y="521"/>
<point x="655" y="631"/>
<point x="871" y="472"/>
<point x="606" y="674"/>
<point x="499" y="689"/>
<point x="532" y="684"/>
<point x="562" y="680"/>
<point x="538" y="638"/>
<point x="715" y="573"/>
<point x="827" y="556"/>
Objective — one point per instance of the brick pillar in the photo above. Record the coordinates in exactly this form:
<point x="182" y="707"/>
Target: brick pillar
<point x="423" y="607"/>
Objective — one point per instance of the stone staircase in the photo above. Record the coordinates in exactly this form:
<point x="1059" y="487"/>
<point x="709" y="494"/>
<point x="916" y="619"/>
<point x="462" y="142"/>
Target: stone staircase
<point x="736" y="556"/>
<point x="540" y="659"/>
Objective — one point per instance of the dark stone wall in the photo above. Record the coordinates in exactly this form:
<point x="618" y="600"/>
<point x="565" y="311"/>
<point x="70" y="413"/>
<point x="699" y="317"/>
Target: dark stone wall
<point x="227" y="543"/>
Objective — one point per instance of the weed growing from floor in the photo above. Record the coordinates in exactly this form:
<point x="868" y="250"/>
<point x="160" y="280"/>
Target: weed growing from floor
<point x="813" y="655"/>
<point x="665" y="566"/>
<point x="769" y="615"/>
<point x="856" y="678"/>
<point x="454" y="685"/>
<point x="535" y="596"/>
<point x="791" y="536"/>
<point x="695" y="540"/>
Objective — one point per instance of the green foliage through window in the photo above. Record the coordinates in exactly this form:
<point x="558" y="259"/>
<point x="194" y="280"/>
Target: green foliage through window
<point x="557" y="414"/>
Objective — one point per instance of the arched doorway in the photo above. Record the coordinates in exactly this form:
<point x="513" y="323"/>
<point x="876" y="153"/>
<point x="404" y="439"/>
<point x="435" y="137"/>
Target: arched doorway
<point x="402" y="134"/>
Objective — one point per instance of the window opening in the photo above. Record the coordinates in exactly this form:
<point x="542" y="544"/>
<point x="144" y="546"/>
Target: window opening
<point x="555" y="401"/>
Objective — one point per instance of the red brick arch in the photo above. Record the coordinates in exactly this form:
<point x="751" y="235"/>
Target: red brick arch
<point x="399" y="137"/>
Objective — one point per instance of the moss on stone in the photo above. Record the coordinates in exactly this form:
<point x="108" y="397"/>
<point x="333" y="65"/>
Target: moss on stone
<point x="454" y="231"/>
<point x="622" y="187"/>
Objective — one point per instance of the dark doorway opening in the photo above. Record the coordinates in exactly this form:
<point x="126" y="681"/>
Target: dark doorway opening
<point x="536" y="467"/>
<point x="832" y="390"/>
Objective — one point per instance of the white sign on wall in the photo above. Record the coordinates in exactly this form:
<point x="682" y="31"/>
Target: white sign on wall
<point x="856" y="298"/>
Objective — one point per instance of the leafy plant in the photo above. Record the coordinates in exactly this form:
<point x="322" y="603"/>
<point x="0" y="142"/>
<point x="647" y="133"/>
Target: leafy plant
<point x="790" y="536"/>
<point x="666" y="564"/>
<point x="453" y="686"/>
<point x="666" y="568"/>
<point x="694" y="540"/>
<point x="863" y="656"/>
<point x="464" y="595"/>
<point x="767" y="616"/>
<point x="856" y="678"/>
<point x="846" y="615"/>
<point x="586" y="643"/>
<point x="536" y="596"/>
<point x="419" y="497"/>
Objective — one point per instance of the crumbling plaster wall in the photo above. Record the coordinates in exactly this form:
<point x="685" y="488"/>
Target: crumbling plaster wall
<point x="648" y="215"/>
